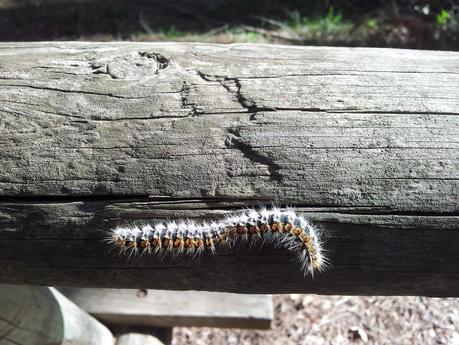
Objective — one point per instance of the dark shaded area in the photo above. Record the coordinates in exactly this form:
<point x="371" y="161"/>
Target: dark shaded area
<point x="410" y="24"/>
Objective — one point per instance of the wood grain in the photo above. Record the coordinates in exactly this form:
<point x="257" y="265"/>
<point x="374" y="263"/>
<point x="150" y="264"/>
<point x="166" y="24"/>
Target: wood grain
<point x="363" y="140"/>
<point x="160" y="308"/>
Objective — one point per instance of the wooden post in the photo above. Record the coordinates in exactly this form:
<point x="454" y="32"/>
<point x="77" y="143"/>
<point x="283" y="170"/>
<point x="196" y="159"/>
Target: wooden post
<point x="364" y="141"/>
<point x="138" y="339"/>
<point x="33" y="315"/>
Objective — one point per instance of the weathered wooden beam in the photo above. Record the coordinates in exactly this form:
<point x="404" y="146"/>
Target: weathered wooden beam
<point x="33" y="315"/>
<point x="363" y="140"/>
<point x="159" y="308"/>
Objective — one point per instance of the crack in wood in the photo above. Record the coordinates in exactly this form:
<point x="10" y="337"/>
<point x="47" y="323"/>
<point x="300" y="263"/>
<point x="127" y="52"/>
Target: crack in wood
<point x="236" y="141"/>
<point x="27" y="199"/>
<point x="83" y="92"/>
<point x="185" y="102"/>
<point x="246" y="103"/>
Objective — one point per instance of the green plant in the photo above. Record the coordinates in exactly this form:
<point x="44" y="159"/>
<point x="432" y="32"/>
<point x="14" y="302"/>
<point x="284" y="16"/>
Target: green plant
<point x="372" y="23"/>
<point x="331" y="22"/>
<point x="172" y="33"/>
<point x="331" y="19"/>
<point x="443" y="17"/>
<point x="295" y="21"/>
<point x="252" y="37"/>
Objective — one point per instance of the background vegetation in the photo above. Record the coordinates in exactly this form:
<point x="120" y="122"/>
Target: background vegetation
<point x="396" y="23"/>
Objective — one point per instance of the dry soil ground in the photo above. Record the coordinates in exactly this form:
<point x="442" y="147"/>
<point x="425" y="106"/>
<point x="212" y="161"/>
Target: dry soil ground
<point x="341" y="320"/>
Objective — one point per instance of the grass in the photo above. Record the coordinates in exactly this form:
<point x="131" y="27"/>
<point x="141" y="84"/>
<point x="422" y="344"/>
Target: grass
<point x="295" y="28"/>
<point x="331" y="22"/>
<point x="330" y="28"/>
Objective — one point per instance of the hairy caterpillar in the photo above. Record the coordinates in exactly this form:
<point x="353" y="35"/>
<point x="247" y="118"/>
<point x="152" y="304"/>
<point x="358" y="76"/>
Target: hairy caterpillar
<point x="280" y="227"/>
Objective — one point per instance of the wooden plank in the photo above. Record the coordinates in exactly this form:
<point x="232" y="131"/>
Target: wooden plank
<point x="159" y="308"/>
<point x="362" y="140"/>
<point x="32" y="315"/>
